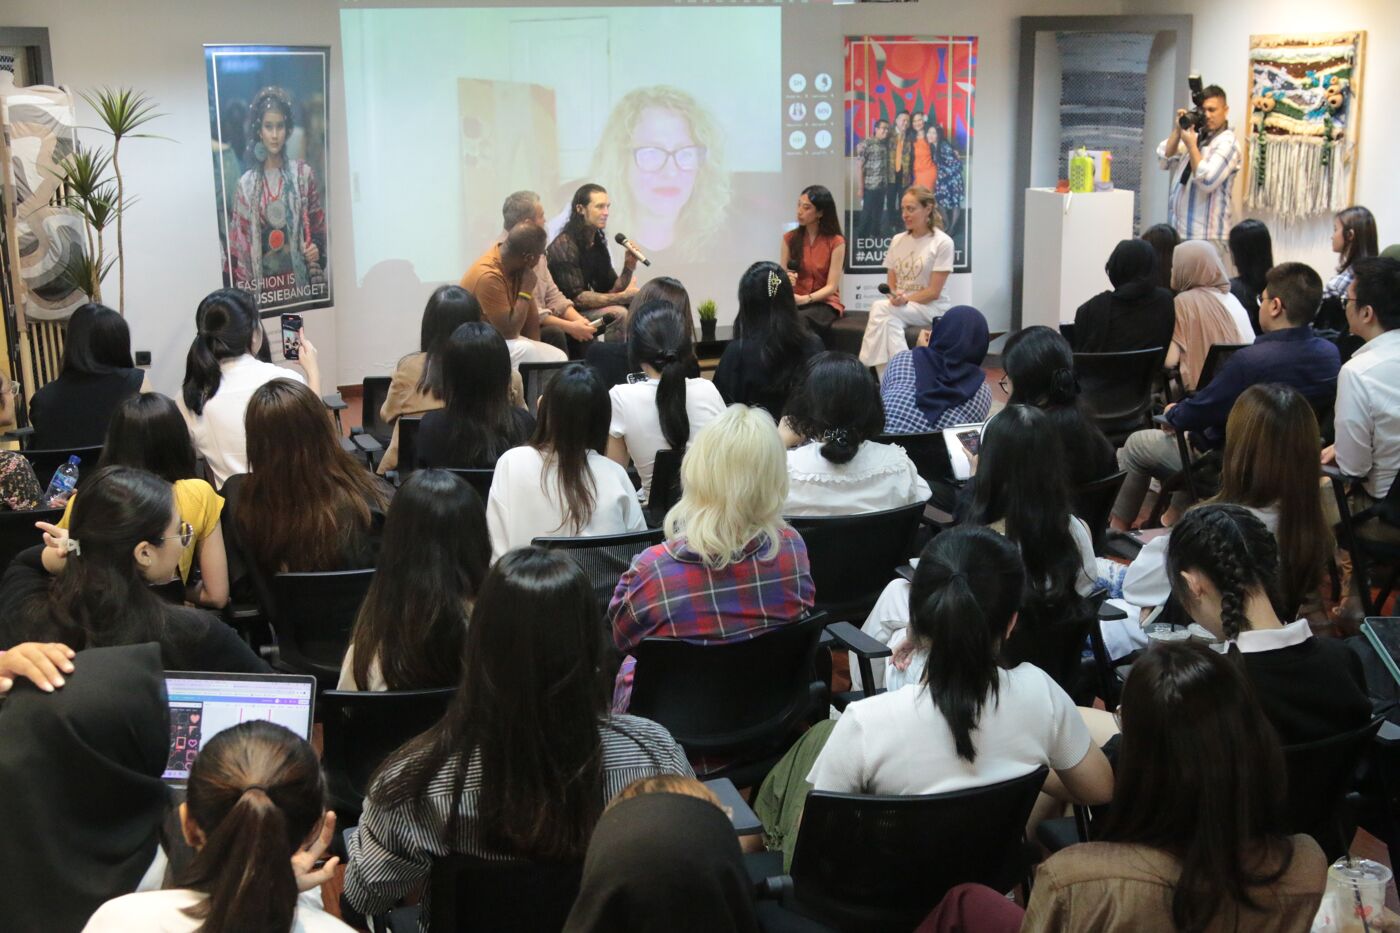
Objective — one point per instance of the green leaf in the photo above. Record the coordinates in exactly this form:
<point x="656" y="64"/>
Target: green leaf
<point x="81" y="172"/>
<point x="123" y="110"/>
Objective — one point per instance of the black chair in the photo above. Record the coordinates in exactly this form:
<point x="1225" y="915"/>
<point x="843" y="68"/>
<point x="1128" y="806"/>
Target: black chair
<point x="665" y="485"/>
<point x="875" y="863"/>
<point x="408" y="444"/>
<point x="45" y="462"/>
<point x="1320" y="776"/>
<point x="312" y="615"/>
<point x="604" y="557"/>
<point x="740" y="702"/>
<point x="853" y="557"/>
<point x="1054" y="640"/>
<point x="929" y="451"/>
<point x="1117" y="388"/>
<point x="1216" y="358"/>
<point x="373" y="391"/>
<point x="534" y="377"/>
<point x="474" y="894"/>
<point x="17" y="531"/>
<point x="480" y="479"/>
<point x="1093" y="503"/>
<point x="1368" y="553"/>
<point x="361" y="729"/>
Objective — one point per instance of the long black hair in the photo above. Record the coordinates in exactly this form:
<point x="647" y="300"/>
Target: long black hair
<point x="476" y="377"/>
<point x="433" y="558"/>
<point x="768" y="315"/>
<point x="1253" y="251"/>
<point x="225" y="323"/>
<point x="148" y="432"/>
<point x="836" y="401"/>
<point x="448" y="308"/>
<point x="534" y="734"/>
<point x="657" y="336"/>
<point x="573" y="421"/>
<point x="1040" y="363"/>
<point x="966" y="590"/>
<point x="1233" y="549"/>
<point x="97" y="341"/>
<point x="1164" y="240"/>
<point x="666" y="289"/>
<point x="578" y="208"/>
<point x="828" y="224"/>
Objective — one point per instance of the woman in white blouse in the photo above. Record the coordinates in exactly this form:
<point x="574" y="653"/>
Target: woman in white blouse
<point x="665" y="402"/>
<point x="561" y="484"/>
<point x="919" y="263"/>
<point x="835" y="467"/>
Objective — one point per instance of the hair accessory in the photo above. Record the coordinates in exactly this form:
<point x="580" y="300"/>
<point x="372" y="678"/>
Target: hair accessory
<point x="666" y="357"/>
<point x="838" y="436"/>
<point x="774" y="283"/>
<point x="254" y="787"/>
<point x="72" y="547"/>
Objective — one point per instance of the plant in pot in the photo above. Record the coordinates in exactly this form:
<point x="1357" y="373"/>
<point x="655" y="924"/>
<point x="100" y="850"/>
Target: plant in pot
<point x="707" y="319"/>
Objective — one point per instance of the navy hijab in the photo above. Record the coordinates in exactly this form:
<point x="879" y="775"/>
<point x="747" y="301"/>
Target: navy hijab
<point x="948" y="372"/>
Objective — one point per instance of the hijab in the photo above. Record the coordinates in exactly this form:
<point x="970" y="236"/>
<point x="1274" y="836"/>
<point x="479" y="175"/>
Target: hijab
<point x="81" y="796"/>
<point x="1132" y="269"/>
<point x="948" y="372"/>
<point x="1202" y="320"/>
<point x="664" y="863"/>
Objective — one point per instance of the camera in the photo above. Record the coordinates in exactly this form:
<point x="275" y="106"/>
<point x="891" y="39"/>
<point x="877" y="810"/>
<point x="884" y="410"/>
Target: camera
<point x="1195" y="118"/>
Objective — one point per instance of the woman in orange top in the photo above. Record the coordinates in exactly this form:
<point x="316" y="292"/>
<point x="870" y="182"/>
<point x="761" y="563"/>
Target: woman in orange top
<point x="814" y="254"/>
<point x="925" y="168"/>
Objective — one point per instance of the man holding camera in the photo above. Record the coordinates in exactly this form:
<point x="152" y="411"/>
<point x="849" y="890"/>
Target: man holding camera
<point x="1203" y="156"/>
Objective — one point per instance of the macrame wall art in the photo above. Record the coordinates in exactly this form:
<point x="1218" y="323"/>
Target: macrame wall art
<point x="1304" y="122"/>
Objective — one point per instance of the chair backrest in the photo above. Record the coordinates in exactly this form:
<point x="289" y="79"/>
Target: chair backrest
<point x="1216" y="358"/>
<point x="470" y="893"/>
<point x="853" y="557"/>
<point x="928" y="450"/>
<point x="1054" y="639"/>
<point x="313" y="615"/>
<point x="362" y="728"/>
<point x="480" y="479"/>
<point x="737" y="699"/>
<point x="1093" y="503"/>
<point x="373" y="391"/>
<point x="872" y="862"/>
<point x="534" y="377"/>
<point x="1117" y="387"/>
<point x="17" y="531"/>
<point x="604" y="557"/>
<point x="665" y="481"/>
<point x="408" y="443"/>
<point x="1320" y="775"/>
<point x="45" y="462"/>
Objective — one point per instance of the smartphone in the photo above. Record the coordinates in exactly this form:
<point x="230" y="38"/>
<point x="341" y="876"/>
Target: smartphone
<point x="971" y="441"/>
<point x="291" y="336"/>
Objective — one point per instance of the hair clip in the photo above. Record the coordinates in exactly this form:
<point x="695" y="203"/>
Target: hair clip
<point x="775" y="282"/>
<point x="838" y="436"/>
<point x="71" y="546"/>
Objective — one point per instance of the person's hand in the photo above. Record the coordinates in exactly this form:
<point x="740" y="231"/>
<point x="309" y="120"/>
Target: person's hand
<point x="55" y="538"/>
<point x="304" y="862"/>
<point x="1189" y="137"/>
<point x="311" y="253"/>
<point x="792" y="279"/>
<point x="1176" y="120"/>
<point x="632" y="288"/>
<point x="579" y="330"/>
<point x="803" y="300"/>
<point x="924" y="337"/>
<point x="306" y="351"/>
<point x="43" y="664"/>
<point x="629" y="258"/>
<point x="1329" y="453"/>
<point x="899" y="299"/>
<point x="528" y="281"/>
<point x="903" y="655"/>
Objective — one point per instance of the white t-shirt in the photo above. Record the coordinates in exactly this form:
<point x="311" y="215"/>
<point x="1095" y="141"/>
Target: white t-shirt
<point x="914" y="261"/>
<point x="636" y="420"/>
<point x="218" y="433"/>
<point x="899" y="743"/>
<point x="1239" y="316"/>
<point x="878" y="477"/>
<point x="374" y="675"/>
<point x="163" y="912"/>
<point x="520" y="508"/>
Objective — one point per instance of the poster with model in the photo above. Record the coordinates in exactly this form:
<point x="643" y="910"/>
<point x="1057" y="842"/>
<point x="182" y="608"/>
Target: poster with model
<point x="267" y="118"/>
<point x="909" y="109"/>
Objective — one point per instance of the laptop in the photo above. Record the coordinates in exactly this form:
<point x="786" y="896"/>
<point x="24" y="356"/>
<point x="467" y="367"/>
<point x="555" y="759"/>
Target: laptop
<point x="203" y="704"/>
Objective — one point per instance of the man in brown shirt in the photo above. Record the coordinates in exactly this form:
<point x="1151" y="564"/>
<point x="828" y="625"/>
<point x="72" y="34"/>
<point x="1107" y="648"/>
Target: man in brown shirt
<point x="503" y="282"/>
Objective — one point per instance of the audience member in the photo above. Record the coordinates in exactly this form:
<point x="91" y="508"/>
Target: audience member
<point x="1252" y="251"/>
<point x="503" y="281"/>
<point x="671" y="404"/>
<point x="1136" y="314"/>
<point x="939" y="383"/>
<point x="1353" y="239"/>
<point x="1287" y="352"/>
<point x="561" y="483"/>
<point x="611" y="359"/>
<point x="478" y="422"/>
<point x="579" y="260"/>
<point x="527" y="755"/>
<point x="90" y="586"/>
<point x="770" y="342"/>
<point x="221" y="374"/>
<point x="919" y="261"/>
<point x="255" y="814"/>
<point x="559" y="319"/>
<point x="836" y="468"/>
<point x="19" y="487"/>
<point x="814" y="253"/>
<point x="1206" y="312"/>
<point x="433" y="558"/>
<point x="97" y="375"/>
<point x="1164" y="240"/>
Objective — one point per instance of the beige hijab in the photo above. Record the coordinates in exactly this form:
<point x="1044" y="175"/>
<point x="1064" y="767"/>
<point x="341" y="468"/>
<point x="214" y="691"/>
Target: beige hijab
<point x="1198" y="278"/>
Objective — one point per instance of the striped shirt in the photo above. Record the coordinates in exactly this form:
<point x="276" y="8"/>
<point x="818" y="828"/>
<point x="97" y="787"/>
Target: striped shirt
<point x="392" y="850"/>
<point x="1200" y="208"/>
<point x="902" y="413"/>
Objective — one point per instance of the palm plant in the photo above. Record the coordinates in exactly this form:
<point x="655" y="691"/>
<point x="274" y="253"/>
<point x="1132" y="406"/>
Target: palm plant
<point x="98" y="202"/>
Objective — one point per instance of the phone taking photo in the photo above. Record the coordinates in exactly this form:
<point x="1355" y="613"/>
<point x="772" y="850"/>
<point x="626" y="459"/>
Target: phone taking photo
<point x="291" y="336"/>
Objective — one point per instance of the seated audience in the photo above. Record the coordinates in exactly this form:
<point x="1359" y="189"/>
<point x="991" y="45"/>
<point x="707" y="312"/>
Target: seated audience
<point x="1252" y="252"/>
<point x="770" y="343"/>
<point x="1353" y="239"/>
<point x="919" y="261"/>
<point x="1164" y="240"/>
<point x="527" y="755"/>
<point x="479" y="422"/>
<point x="433" y="558"/>
<point x="813" y="253"/>
<point x="221" y="374"/>
<point x="255" y="814"/>
<point x="939" y="383"/>
<point x="560" y="321"/>
<point x="612" y="358"/>
<point x="1206" y="312"/>
<point x="579" y="260"/>
<point x="19" y="487"/>
<point x="90" y="586"/>
<point x="1288" y="352"/>
<point x="836" y="469"/>
<point x="561" y="484"/>
<point x="1137" y="314"/>
<point x="97" y="375"/>
<point x="1040" y="368"/>
<point x="503" y="283"/>
<point x="668" y="407"/>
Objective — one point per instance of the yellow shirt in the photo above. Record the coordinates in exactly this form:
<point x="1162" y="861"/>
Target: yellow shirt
<point x="198" y="504"/>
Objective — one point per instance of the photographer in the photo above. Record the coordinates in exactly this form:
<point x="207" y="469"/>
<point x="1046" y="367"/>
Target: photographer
<point x="1203" y="157"/>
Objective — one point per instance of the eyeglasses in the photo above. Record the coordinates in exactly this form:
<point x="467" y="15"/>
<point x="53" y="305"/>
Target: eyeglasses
<point x="654" y="158"/>
<point x="185" y="534"/>
<point x="1005" y="383"/>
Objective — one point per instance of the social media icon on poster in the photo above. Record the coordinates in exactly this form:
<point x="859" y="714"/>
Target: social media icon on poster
<point x="822" y="82"/>
<point x="797" y="139"/>
<point x="822" y="139"/>
<point x="797" y="110"/>
<point x="797" y="82"/>
<point x="822" y="110"/>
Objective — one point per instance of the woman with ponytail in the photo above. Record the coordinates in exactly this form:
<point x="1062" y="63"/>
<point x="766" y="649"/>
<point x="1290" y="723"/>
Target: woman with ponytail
<point x="664" y="403"/>
<point x="255" y="814"/>
<point x="837" y="469"/>
<point x="966" y="721"/>
<point x="221" y="374"/>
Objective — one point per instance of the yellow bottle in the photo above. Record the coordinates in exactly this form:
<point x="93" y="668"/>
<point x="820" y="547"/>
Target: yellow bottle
<point x="1081" y="172"/>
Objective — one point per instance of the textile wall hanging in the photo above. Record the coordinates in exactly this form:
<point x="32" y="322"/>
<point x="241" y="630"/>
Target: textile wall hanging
<point x="1304" y="122"/>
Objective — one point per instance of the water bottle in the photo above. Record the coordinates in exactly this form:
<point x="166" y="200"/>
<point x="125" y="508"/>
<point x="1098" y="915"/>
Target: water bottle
<point x="65" y="480"/>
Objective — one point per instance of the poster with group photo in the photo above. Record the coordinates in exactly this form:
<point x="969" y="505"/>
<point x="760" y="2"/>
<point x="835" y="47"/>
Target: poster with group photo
<point x="267" y="119"/>
<point x="909" y="119"/>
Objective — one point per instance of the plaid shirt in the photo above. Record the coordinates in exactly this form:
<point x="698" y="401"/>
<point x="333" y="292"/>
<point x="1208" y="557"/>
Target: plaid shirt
<point x="903" y="415"/>
<point x="669" y="592"/>
<point x="1199" y="207"/>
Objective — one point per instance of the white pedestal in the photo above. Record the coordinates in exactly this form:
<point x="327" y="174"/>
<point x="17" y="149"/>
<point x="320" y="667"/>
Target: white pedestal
<point x="1068" y="240"/>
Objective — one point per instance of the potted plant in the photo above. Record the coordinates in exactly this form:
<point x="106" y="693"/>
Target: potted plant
<point x="707" y="320"/>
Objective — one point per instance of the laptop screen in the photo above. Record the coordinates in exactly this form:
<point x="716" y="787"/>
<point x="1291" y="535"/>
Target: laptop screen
<point x="204" y="704"/>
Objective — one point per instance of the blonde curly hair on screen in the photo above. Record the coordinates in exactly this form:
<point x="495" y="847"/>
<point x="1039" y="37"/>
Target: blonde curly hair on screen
<point x="735" y="482"/>
<point x="703" y="215"/>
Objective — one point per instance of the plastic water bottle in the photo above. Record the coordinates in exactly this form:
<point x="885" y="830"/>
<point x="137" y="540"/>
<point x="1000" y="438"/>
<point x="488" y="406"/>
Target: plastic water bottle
<point x="65" y="480"/>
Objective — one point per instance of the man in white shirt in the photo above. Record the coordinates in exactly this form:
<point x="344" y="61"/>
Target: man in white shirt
<point x="1368" y="391"/>
<point x="1203" y="165"/>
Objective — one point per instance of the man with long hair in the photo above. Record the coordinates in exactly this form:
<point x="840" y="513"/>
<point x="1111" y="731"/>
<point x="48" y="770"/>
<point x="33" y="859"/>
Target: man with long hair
<point x="579" y="259"/>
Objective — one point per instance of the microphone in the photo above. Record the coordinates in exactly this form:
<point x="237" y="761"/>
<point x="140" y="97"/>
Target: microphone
<point x="794" y="266"/>
<point x="883" y="288"/>
<point x="622" y="238"/>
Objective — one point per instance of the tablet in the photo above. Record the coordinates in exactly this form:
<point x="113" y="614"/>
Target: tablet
<point x="203" y="704"/>
<point x="963" y="442"/>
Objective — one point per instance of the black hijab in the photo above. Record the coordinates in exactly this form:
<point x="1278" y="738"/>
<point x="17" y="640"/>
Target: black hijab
<point x="81" y="799"/>
<point x="1132" y="268"/>
<point x="664" y="863"/>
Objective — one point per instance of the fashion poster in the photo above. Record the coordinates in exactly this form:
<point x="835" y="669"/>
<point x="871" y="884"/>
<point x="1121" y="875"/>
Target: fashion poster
<point x="267" y="114"/>
<point x="909" y="120"/>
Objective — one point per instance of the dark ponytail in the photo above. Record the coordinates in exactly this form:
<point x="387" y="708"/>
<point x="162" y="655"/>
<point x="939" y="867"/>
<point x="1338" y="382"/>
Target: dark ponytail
<point x="225" y="321"/>
<point x="1233" y="549"/>
<point x="573" y="421"/>
<point x="256" y="792"/>
<point x="836" y="400"/>
<point x="657" y="337"/>
<point x="966" y="590"/>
